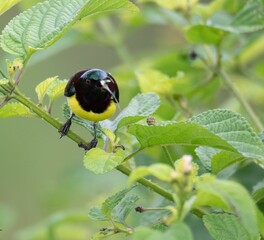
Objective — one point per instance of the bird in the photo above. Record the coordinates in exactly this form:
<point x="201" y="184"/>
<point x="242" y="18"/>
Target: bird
<point x="93" y="95"/>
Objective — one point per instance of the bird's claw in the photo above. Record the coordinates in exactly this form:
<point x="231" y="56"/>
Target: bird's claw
<point x="90" y="145"/>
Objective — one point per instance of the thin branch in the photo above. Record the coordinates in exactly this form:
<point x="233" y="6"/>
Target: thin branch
<point x="147" y="183"/>
<point x="167" y="153"/>
<point x="258" y="124"/>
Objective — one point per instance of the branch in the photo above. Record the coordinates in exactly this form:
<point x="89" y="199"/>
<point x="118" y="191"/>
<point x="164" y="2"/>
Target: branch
<point x="73" y="136"/>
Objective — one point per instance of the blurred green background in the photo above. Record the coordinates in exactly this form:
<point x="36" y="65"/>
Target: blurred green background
<point x="42" y="176"/>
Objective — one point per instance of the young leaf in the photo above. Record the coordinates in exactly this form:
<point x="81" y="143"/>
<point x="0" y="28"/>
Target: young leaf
<point x="99" y="161"/>
<point x="96" y="214"/>
<point x="152" y="80"/>
<point x="121" y="211"/>
<point x="231" y="197"/>
<point x="235" y="130"/>
<point x="7" y="4"/>
<point x="226" y="226"/>
<point x="159" y="170"/>
<point x="43" y="24"/>
<point x="42" y="88"/>
<point x="4" y="81"/>
<point x="56" y="89"/>
<point x="142" y="105"/>
<point x="15" y="110"/>
<point x="205" y="34"/>
<point x="250" y="18"/>
<point x="110" y="203"/>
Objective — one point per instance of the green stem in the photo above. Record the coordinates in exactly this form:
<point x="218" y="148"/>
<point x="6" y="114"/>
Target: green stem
<point x="1" y="72"/>
<point x="167" y="153"/>
<point x="216" y="70"/>
<point x="44" y="115"/>
<point x="115" y="40"/>
<point x="147" y="183"/>
<point x="242" y="100"/>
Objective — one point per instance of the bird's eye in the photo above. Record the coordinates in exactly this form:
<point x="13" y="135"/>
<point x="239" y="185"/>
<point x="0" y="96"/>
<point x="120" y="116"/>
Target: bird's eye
<point x="88" y="81"/>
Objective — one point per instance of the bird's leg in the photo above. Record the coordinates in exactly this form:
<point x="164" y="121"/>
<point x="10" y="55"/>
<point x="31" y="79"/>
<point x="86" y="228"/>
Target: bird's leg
<point x="66" y="126"/>
<point x="94" y="141"/>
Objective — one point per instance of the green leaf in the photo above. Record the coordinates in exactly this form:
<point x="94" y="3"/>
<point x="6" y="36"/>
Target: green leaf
<point x="7" y="4"/>
<point x="42" y="88"/>
<point x="111" y="202"/>
<point x="250" y="18"/>
<point x="56" y="89"/>
<point x="258" y="193"/>
<point x="235" y="130"/>
<point x="229" y="196"/>
<point x="15" y="110"/>
<point x="43" y="24"/>
<point x="99" y="161"/>
<point x="224" y="159"/>
<point x="204" y="34"/>
<point x="4" y="81"/>
<point x="215" y="160"/>
<point x="177" y="133"/>
<point x="124" y="207"/>
<point x="151" y="80"/>
<point x="177" y="231"/>
<point x="145" y="233"/>
<point x="159" y="170"/>
<point x="96" y="214"/>
<point x="205" y="155"/>
<point x="142" y="105"/>
<point x="226" y="226"/>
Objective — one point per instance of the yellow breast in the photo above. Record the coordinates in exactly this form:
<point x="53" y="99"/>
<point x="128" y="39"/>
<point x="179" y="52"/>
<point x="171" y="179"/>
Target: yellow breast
<point x="91" y="116"/>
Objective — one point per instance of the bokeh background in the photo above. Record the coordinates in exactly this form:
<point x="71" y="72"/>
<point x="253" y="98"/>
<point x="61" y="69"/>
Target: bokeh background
<point x="42" y="177"/>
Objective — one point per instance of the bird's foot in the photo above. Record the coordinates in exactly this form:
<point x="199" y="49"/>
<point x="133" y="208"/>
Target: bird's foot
<point x="90" y="145"/>
<point x="65" y="128"/>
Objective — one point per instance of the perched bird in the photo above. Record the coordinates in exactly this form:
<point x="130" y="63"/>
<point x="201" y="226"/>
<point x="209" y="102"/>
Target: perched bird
<point x="91" y="94"/>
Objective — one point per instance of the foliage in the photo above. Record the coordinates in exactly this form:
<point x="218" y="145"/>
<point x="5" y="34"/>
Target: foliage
<point x="195" y="151"/>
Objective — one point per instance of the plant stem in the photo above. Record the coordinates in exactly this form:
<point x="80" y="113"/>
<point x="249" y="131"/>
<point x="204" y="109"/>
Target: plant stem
<point x="44" y="115"/>
<point x="1" y="72"/>
<point x="147" y="183"/>
<point x="242" y="100"/>
<point x="167" y="153"/>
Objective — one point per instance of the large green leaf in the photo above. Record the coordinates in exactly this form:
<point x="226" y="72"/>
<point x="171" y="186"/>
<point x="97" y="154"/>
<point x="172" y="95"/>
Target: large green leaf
<point x="235" y="130"/>
<point x="177" y="133"/>
<point x="43" y="24"/>
<point x="226" y="226"/>
<point x="231" y="197"/>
